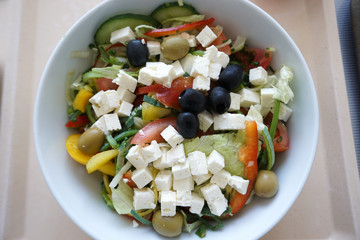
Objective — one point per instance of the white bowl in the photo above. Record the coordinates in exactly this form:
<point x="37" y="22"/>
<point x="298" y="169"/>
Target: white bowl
<point x="79" y="193"/>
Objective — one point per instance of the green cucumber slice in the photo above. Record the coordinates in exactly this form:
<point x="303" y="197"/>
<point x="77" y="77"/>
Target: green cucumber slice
<point x="103" y="33"/>
<point x="172" y="10"/>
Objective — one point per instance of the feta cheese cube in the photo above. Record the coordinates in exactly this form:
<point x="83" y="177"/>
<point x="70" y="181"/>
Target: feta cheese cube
<point x="200" y="179"/>
<point x="183" y="198"/>
<point x="143" y="199"/>
<point x="197" y="203"/>
<point x="222" y="58"/>
<point x="239" y="184"/>
<point x="211" y="53"/>
<point x="205" y="120"/>
<point x="122" y="35"/>
<point x="110" y="98"/>
<point x="125" y="95"/>
<point x="104" y="102"/>
<point x="258" y="76"/>
<point x="163" y="180"/>
<point x="254" y="115"/>
<point x="151" y="152"/>
<point x="161" y="163"/>
<point x="262" y="110"/>
<point x="135" y="158"/>
<point x="221" y="178"/>
<point x="187" y="62"/>
<point x="142" y="177"/>
<point x="124" y="110"/>
<point x="198" y="163"/>
<point x="185" y="184"/>
<point x="146" y="76"/>
<point x="214" y="70"/>
<point x="154" y="48"/>
<point x="200" y="67"/>
<point x="215" y="162"/>
<point x="201" y="83"/>
<point x="284" y="112"/>
<point x="165" y="75"/>
<point x="206" y="36"/>
<point x="214" y="198"/>
<point x="229" y="121"/>
<point x="168" y="203"/>
<point x="266" y="97"/>
<point x="176" y="155"/>
<point x="154" y="65"/>
<point x="171" y="136"/>
<point x="235" y="102"/>
<point x="248" y="98"/>
<point x="181" y="170"/>
<point x="108" y="123"/>
<point x="126" y="81"/>
<point x="179" y="71"/>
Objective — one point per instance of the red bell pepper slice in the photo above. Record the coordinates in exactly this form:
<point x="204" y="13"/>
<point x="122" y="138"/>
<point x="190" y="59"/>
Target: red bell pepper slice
<point x="178" y="29"/>
<point x="80" y="121"/>
<point x="248" y="155"/>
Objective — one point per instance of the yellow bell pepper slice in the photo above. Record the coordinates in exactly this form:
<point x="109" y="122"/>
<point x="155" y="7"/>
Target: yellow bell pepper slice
<point x="76" y="154"/>
<point x="82" y="99"/>
<point x="99" y="159"/>
<point x="151" y="112"/>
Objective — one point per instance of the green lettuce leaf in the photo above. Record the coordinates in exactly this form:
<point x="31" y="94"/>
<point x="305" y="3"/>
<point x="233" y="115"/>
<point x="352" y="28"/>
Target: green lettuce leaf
<point x="283" y="91"/>
<point x="122" y="198"/>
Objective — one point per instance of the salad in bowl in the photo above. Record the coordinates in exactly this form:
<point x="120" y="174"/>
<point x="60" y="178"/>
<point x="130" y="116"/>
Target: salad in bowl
<point x="184" y="123"/>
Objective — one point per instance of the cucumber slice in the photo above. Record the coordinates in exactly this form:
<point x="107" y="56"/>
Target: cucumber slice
<point x="103" y="33"/>
<point x="172" y="10"/>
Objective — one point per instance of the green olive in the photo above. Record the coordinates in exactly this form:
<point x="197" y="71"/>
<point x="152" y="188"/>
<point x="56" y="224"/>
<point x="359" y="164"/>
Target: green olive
<point x="174" y="48"/>
<point x="167" y="226"/>
<point x="91" y="140"/>
<point x="266" y="184"/>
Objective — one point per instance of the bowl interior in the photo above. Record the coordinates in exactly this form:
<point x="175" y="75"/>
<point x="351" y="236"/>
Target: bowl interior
<point x="79" y="193"/>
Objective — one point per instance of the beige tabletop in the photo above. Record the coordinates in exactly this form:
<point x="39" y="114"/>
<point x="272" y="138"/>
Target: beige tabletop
<point x="327" y="208"/>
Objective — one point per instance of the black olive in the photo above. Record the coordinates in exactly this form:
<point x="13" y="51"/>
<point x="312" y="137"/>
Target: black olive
<point x="137" y="53"/>
<point x="192" y="100"/>
<point x="187" y="124"/>
<point x="231" y="77"/>
<point x="219" y="100"/>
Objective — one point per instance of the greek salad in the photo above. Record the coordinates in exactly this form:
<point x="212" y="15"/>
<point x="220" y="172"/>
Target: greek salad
<point x="183" y="123"/>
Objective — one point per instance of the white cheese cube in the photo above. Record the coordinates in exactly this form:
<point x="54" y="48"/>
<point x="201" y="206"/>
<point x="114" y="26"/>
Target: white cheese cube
<point x="142" y="177"/>
<point x="205" y="120"/>
<point x="168" y="203"/>
<point x="284" y="112"/>
<point x="183" y="198"/>
<point x="235" y="102"/>
<point x="154" y="65"/>
<point x="200" y="67"/>
<point x="262" y="110"/>
<point x="201" y="83"/>
<point x="258" y="76"/>
<point x="185" y="184"/>
<point x="211" y="53"/>
<point x="215" y="162"/>
<point x="125" y="95"/>
<point x="190" y="38"/>
<point x="165" y="75"/>
<point x="229" y="121"/>
<point x="200" y="179"/>
<point x="126" y="81"/>
<point x="171" y="136"/>
<point x="206" y="36"/>
<point x="181" y="171"/>
<point x="110" y="98"/>
<point x="197" y="161"/>
<point x="187" y="62"/>
<point x="103" y="102"/>
<point x="146" y="76"/>
<point x="151" y="152"/>
<point x="176" y="155"/>
<point x="239" y="184"/>
<point x="266" y="97"/>
<point x="122" y="35"/>
<point x="179" y="71"/>
<point x="163" y="180"/>
<point x="161" y="163"/>
<point x="197" y="203"/>
<point x="222" y="58"/>
<point x="143" y="199"/>
<point x="214" y="198"/>
<point x="248" y="98"/>
<point x="112" y="122"/>
<point x="135" y="158"/>
<point x="124" y="110"/>
<point x="96" y="99"/>
<point x="154" y="48"/>
<point x="214" y="70"/>
<point x="221" y="178"/>
<point x="254" y="115"/>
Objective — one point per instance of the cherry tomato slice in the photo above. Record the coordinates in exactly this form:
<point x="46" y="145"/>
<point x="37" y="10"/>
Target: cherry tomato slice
<point x="170" y="97"/>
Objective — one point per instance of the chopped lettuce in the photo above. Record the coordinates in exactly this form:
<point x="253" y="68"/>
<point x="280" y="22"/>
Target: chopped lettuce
<point x="283" y="91"/>
<point x="227" y="144"/>
<point x="176" y="21"/>
<point x="122" y="198"/>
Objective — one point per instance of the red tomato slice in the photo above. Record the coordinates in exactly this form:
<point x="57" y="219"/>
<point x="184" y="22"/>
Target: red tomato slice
<point x="254" y="57"/>
<point x="106" y="84"/>
<point x="152" y="131"/>
<point x="281" y="140"/>
<point x="151" y="88"/>
<point x="170" y="97"/>
<point x="220" y="40"/>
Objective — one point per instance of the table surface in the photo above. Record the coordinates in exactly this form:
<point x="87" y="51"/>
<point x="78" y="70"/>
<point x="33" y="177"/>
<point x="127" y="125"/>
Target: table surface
<point x="327" y="208"/>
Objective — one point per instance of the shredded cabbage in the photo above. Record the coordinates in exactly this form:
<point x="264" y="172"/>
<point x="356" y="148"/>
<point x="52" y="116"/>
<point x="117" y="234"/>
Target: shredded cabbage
<point x="176" y="21"/>
<point x="122" y="198"/>
<point x="283" y="91"/>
